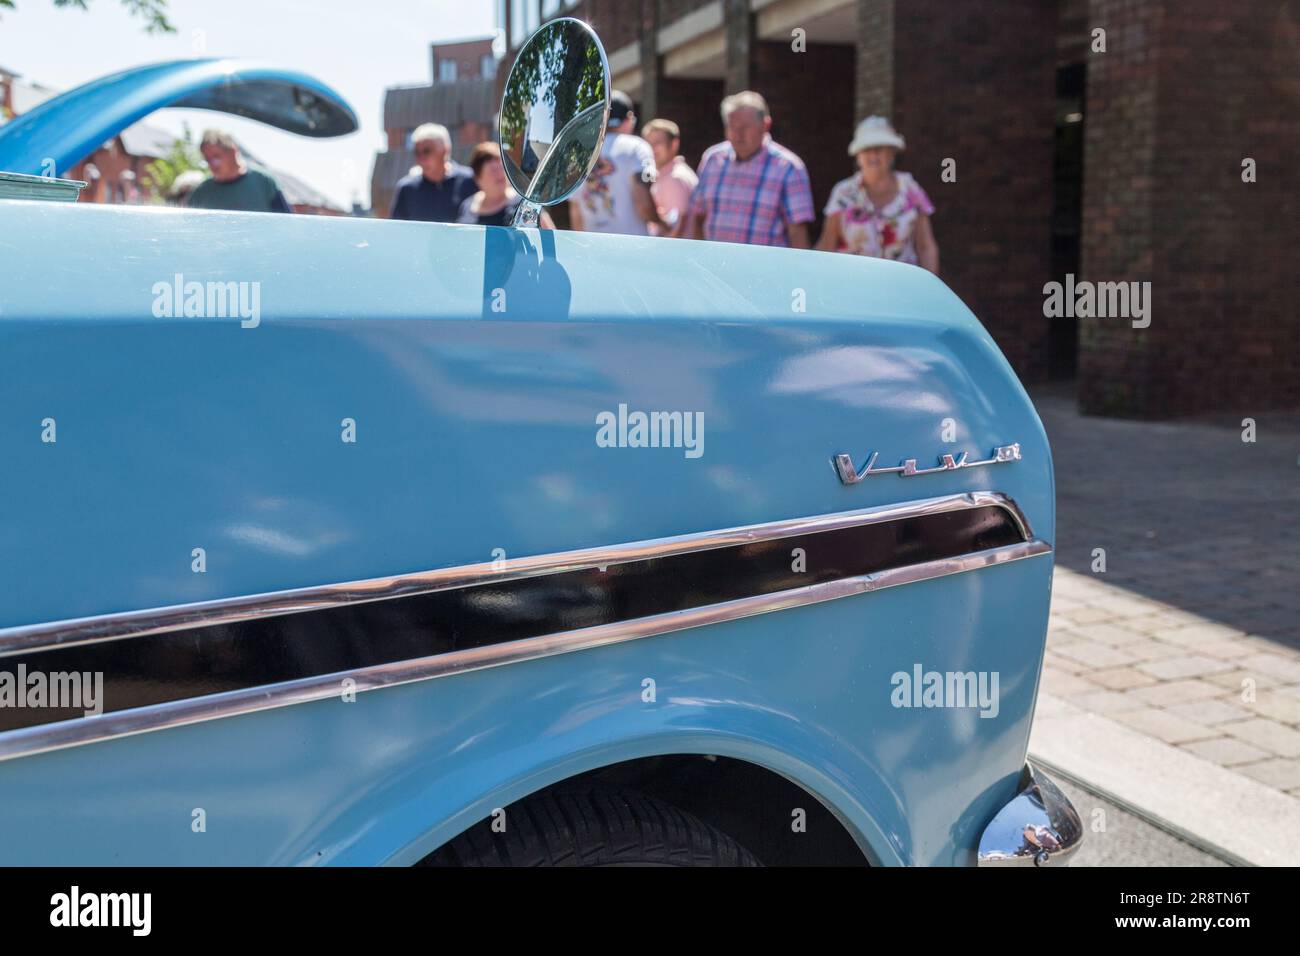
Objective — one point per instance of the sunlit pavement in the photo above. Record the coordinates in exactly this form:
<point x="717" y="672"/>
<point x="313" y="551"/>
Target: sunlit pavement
<point x="1172" y="678"/>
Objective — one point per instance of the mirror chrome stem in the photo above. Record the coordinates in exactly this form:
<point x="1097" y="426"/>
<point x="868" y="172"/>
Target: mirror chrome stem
<point x="528" y="215"/>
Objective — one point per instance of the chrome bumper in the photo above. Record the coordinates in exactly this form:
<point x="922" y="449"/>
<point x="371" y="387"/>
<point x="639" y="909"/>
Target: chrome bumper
<point x="1038" y="828"/>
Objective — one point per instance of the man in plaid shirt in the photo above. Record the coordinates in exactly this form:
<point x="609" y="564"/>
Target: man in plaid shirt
<point x="751" y="189"/>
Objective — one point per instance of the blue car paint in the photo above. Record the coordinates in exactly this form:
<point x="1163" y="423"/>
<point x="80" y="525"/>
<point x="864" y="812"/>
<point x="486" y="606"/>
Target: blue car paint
<point x="476" y="430"/>
<point x="61" y="132"/>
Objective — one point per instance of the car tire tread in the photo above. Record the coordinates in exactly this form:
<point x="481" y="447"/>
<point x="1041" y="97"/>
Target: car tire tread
<point x="593" y="826"/>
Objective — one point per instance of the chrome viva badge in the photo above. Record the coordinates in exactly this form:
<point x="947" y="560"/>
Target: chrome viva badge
<point x="851" y="476"/>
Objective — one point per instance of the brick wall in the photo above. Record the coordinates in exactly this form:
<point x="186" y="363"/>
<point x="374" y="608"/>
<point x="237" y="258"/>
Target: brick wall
<point x="1115" y="373"/>
<point x="469" y="135"/>
<point x="741" y="45"/>
<point x="617" y="22"/>
<point x="810" y="95"/>
<point x="467" y="55"/>
<point x="111" y="160"/>
<point x="648" y="103"/>
<point x="694" y="106"/>
<point x="670" y="10"/>
<point x="978" y="88"/>
<point x="874" y="86"/>
<point x="1183" y="93"/>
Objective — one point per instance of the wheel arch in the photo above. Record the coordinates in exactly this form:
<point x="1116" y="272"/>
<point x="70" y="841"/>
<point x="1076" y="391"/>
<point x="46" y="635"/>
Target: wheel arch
<point x="771" y="816"/>
<point x="748" y="763"/>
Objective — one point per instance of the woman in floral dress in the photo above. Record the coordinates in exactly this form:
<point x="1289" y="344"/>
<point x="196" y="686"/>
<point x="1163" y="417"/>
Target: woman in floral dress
<point x="879" y="212"/>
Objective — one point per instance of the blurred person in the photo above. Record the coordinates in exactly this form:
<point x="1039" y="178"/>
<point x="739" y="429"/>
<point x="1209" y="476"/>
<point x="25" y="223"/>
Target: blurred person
<point x="437" y="186"/>
<point x="879" y="212"/>
<point x="127" y="190"/>
<point x="233" y="185"/>
<point x="616" y="196"/>
<point x="496" y="201"/>
<point x="94" y="191"/>
<point x="674" y="180"/>
<point x="751" y="189"/>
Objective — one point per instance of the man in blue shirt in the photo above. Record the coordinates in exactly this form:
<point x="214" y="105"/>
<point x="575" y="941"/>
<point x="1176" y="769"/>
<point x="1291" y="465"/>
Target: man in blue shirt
<point x="434" y="192"/>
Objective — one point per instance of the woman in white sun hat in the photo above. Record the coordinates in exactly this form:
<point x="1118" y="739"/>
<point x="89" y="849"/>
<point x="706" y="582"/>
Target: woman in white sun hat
<point x="879" y="212"/>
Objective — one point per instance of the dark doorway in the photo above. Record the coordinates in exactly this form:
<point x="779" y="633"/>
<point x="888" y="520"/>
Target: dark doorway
<point x="1067" y="209"/>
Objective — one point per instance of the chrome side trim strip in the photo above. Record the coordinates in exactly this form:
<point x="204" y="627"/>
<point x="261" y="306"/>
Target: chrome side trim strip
<point x="110" y="627"/>
<point x="71" y="733"/>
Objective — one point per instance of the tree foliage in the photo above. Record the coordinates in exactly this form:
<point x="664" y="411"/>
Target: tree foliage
<point x="560" y="72"/>
<point x="153" y="12"/>
<point x="181" y="158"/>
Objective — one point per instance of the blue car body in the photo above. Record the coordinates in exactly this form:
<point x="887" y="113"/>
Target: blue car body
<point x="473" y="364"/>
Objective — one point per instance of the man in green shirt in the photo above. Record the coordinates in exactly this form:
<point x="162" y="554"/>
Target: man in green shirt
<point x="233" y="185"/>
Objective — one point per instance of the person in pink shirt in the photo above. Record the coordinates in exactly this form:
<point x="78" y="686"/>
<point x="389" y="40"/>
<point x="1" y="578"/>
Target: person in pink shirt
<point x="676" y="180"/>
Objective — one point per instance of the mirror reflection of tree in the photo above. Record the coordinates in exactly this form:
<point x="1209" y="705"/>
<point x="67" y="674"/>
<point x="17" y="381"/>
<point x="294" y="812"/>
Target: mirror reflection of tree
<point x="560" y="69"/>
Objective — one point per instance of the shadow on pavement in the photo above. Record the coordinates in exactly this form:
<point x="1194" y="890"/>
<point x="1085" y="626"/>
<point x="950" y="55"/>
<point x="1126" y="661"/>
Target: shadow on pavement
<point x="1187" y="513"/>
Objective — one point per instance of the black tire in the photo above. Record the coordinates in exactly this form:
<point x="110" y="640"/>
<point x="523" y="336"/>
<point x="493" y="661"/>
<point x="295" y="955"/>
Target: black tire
<point x="593" y="826"/>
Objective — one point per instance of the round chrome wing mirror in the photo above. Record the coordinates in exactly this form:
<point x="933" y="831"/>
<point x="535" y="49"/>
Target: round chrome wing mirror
<point x="553" y="114"/>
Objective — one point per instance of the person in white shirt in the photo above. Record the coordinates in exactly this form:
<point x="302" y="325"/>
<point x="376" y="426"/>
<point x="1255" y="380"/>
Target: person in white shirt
<point x="616" y="196"/>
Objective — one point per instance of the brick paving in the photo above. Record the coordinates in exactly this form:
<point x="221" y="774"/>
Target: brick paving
<point x="1191" y="635"/>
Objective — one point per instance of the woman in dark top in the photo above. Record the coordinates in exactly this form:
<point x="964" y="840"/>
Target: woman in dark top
<point x="495" y="202"/>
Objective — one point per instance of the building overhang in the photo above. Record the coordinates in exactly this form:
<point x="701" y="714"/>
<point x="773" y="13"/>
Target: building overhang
<point x="694" y="46"/>
<point x="625" y="68"/>
<point x="823" y="21"/>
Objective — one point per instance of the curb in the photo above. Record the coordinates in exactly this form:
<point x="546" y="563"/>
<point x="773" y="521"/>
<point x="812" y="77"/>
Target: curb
<point x="1224" y="813"/>
<point x="1164" y="826"/>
